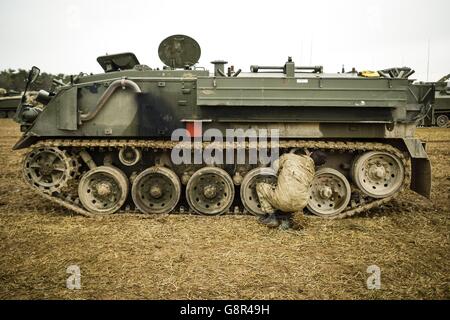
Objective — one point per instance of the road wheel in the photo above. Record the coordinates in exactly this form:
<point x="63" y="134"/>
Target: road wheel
<point x="103" y="190"/>
<point x="156" y="190"/>
<point x="210" y="191"/>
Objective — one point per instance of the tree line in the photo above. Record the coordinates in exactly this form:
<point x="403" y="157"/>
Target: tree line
<point x="15" y="80"/>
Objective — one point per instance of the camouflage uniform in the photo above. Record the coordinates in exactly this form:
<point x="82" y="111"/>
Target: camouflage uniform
<point x="291" y="194"/>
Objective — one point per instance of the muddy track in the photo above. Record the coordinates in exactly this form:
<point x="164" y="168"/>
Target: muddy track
<point x="72" y="202"/>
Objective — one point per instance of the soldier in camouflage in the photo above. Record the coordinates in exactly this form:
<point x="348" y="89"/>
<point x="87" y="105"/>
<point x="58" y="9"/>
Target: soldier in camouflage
<point x="291" y="193"/>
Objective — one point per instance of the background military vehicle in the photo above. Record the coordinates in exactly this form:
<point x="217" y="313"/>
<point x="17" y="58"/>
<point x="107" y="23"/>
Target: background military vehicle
<point x="440" y="111"/>
<point x="9" y="100"/>
<point x="102" y="144"/>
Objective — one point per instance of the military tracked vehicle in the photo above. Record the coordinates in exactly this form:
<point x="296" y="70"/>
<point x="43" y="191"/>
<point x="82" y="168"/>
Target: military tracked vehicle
<point x="104" y="143"/>
<point x="8" y="103"/>
<point x="10" y="100"/>
<point x="440" y="111"/>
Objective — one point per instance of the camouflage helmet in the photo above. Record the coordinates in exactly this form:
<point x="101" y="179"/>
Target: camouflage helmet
<point x="2" y="92"/>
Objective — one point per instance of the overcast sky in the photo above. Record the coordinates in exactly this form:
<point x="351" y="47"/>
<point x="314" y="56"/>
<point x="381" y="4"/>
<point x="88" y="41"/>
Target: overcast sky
<point x="67" y="35"/>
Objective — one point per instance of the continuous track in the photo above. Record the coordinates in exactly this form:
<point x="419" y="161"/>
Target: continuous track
<point x="72" y="202"/>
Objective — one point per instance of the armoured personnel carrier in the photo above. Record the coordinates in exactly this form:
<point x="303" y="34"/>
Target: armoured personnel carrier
<point x="105" y="143"/>
<point x="440" y="110"/>
<point x="9" y="100"/>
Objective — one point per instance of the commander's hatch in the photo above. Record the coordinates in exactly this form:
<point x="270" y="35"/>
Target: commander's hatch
<point x="118" y="62"/>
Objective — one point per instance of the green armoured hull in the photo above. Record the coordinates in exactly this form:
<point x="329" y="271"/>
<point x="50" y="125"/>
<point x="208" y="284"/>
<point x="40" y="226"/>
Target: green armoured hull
<point x="331" y="105"/>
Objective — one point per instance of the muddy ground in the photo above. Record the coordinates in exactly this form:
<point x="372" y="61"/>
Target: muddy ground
<point x="230" y="257"/>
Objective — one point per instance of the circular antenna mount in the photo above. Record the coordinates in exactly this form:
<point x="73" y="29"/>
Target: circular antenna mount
<point x="179" y="51"/>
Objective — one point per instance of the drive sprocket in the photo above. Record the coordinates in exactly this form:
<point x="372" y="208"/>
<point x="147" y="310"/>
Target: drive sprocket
<point x="49" y="169"/>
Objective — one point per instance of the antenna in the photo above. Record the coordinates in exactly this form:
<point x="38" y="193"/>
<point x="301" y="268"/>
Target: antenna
<point x="301" y="51"/>
<point x="428" y="60"/>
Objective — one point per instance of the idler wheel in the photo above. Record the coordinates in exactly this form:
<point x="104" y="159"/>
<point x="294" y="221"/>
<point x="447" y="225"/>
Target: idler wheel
<point x="249" y="196"/>
<point x="442" y="121"/>
<point x="103" y="190"/>
<point x="378" y="174"/>
<point x="156" y="190"/>
<point x="329" y="193"/>
<point x="210" y="191"/>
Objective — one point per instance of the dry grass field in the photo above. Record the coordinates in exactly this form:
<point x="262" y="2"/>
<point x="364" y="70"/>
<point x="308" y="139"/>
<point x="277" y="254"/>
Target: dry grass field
<point x="230" y="257"/>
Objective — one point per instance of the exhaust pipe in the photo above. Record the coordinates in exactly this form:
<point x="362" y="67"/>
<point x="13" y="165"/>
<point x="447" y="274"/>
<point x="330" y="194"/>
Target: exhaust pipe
<point x="124" y="83"/>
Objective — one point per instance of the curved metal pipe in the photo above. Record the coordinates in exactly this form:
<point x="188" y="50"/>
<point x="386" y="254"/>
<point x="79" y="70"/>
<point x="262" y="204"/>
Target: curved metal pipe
<point x="124" y="83"/>
<point x="237" y="73"/>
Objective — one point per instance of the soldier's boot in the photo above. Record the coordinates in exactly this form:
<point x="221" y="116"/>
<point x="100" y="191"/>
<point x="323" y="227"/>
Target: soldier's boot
<point x="270" y="220"/>
<point x="285" y="222"/>
<point x="263" y="218"/>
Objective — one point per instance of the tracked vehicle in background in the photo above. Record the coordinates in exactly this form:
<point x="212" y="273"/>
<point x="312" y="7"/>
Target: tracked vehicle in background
<point x="102" y="143"/>
<point x="440" y="111"/>
<point x="8" y="103"/>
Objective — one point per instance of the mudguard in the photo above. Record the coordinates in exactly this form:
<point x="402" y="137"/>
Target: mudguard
<point x="420" y="167"/>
